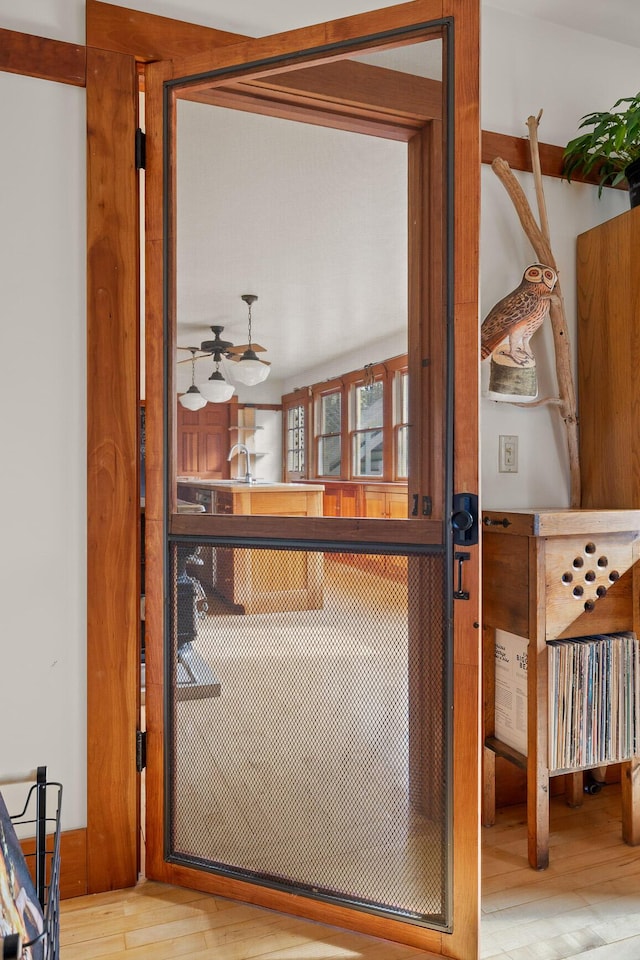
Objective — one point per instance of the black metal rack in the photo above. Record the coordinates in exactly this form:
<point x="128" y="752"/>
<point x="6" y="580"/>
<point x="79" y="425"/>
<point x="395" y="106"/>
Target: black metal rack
<point x="41" y="813"/>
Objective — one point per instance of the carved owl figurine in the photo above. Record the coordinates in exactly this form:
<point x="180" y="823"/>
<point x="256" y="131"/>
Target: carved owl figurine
<point x="519" y="314"/>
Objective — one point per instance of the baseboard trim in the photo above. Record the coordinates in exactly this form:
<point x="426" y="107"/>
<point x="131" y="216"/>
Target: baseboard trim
<point x="73" y="861"/>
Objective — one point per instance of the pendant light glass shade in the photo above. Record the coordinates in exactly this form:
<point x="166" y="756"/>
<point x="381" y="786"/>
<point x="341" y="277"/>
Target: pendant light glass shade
<point x="216" y="389"/>
<point x="249" y="370"/>
<point x="193" y="399"/>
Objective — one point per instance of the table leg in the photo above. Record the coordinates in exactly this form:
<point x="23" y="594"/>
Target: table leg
<point x="488" y="788"/>
<point x="630" y="784"/>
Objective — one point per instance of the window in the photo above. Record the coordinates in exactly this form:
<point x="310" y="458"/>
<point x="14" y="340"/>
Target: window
<point x="359" y="424"/>
<point x="296" y="419"/>
<point x="401" y="424"/>
<point x="329" y="434"/>
<point x="367" y="438"/>
<point x="295" y="440"/>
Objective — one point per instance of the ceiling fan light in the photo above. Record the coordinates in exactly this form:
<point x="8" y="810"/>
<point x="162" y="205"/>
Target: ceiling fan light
<point x="192" y="399"/>
<point x="216" y="389"/>
<point x="249" y="370"/>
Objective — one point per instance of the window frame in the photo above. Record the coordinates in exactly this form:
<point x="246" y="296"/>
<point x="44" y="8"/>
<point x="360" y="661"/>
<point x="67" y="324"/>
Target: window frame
<point x="397" y="368"/>
<point x="374" y="373"/>
<point x="388" y="372"/>
<point x="298" y="398"/>
<point x="319" y="391"/>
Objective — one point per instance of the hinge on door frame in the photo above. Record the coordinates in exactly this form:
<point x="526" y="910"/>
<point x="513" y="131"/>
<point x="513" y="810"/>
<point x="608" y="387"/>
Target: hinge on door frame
<point x="141" y="149"/>
<point x="141" y="750"/>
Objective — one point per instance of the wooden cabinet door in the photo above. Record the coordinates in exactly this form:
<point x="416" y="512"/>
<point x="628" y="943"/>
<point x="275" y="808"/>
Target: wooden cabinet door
<point x="397" y="505"/>
<point x="203" y="441"/>
<point x="375" y="503"/>
<point x="380" y="501"/>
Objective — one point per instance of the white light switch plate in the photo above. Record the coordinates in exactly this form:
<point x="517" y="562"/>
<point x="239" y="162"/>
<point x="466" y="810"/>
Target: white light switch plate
<point x="508" y="454"/>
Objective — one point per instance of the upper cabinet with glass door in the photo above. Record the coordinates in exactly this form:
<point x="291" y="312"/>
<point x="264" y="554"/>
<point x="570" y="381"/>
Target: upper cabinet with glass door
<point x="308" y="213"/>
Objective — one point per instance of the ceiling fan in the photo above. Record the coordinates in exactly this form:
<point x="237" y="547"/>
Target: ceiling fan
<point x="226" y="349"/>
<point x="250" y="369"/>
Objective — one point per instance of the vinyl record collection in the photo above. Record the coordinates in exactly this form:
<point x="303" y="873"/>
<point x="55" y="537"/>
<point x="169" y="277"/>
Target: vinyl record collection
<point x="594" y="700"/>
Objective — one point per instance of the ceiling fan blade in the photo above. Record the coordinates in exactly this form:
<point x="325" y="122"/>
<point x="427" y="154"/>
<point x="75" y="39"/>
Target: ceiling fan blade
<point x="240" y="348"/>
<point x="200" y="356"/>
<point x="238" y="356"/>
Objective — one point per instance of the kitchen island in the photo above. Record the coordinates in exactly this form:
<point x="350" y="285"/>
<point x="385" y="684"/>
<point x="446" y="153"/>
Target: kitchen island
<point x="255" y="579"/>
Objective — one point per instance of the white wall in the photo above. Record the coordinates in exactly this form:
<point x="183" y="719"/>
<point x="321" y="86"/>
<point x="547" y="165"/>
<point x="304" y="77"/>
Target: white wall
<point x="42" y="397"/>
<point x="527" y="65"/>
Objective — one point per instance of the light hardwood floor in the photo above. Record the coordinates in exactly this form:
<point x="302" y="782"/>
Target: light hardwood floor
<point x="158" y="922"/>
<point x="586" y="905"/>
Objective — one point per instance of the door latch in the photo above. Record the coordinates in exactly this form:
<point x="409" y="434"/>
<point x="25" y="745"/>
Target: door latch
<point x="459" y="593"/>
<point x="464" y="519"/>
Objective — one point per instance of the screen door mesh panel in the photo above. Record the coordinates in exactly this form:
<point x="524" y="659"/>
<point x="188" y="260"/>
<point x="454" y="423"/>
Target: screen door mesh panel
<point x="308" y="723"/>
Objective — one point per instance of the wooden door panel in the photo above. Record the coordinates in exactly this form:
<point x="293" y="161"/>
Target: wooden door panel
<point x="188" y="453"/>
<point x="214" y="448"/>
<point x="203" y="441"/>
<point x="396" y="506"/>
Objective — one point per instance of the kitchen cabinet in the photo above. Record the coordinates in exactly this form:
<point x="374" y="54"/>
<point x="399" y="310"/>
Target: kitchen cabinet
<point x="256" y="579"/>
<point x="203" y="441"/>
<point x="343" y="499"/>
<point x="386" y="500"/>
<point x="389" y="502"/>
<point x="608" y="283"/>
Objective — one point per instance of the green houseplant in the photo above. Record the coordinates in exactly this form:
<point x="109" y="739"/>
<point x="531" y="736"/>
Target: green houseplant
<point x="611" y="148"/>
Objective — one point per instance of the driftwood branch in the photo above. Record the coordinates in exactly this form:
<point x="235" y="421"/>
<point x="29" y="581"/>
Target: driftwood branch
<point x="544" y="402"/>
<point x="540" y="241"/>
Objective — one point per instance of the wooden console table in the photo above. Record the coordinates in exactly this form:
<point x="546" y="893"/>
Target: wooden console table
<point x="549" y="575"/>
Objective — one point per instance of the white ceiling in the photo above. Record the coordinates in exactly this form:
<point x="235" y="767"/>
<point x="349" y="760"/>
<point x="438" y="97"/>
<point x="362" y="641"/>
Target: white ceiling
<point x="312" y="220"/>
<point x="617" y="20"/>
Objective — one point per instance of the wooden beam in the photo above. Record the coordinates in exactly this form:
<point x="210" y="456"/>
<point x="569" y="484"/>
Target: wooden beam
<point x="328" y="529"/>
<point x="113" y="483"/>
<point x="32" y="56"/>
<point x="343" y="95"/>
<point x="336" y="117"/>
<point x="147" y="36"/>
<point x="361" y="85"/>
<point x="516" y="151"/>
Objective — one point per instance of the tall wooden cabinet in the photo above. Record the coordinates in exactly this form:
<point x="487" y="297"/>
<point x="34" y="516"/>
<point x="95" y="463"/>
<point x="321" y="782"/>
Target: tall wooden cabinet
<point x="203" y="441"/>
<point x="608" y="279"/>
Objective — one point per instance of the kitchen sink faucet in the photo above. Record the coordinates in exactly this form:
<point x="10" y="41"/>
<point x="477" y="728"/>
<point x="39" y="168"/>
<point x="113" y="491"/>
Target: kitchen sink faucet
<point x="242" y="448"/>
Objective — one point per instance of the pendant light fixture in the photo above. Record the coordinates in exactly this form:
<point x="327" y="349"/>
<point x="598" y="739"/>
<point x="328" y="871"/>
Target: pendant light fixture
<point x="216" y="389"/>
<point x="249" y="370"/>
<point x="193" y="399"/>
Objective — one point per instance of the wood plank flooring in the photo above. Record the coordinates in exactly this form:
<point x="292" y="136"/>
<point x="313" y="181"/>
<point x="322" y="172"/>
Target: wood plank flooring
<point x="155" y="922"/>
<point x="586" y="906"/>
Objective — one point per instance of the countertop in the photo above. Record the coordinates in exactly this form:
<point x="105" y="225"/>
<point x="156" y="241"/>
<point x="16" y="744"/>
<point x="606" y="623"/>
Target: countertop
<point x="239" y="486"/>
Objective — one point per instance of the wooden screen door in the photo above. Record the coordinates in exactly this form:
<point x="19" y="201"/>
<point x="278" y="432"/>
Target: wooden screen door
<point x="338" y="76"/>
